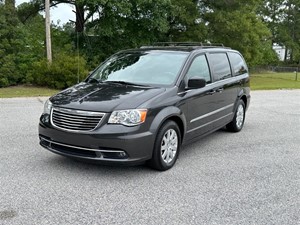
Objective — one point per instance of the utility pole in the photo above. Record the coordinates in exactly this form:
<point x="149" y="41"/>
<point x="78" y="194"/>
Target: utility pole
<point x="48" y="33"/>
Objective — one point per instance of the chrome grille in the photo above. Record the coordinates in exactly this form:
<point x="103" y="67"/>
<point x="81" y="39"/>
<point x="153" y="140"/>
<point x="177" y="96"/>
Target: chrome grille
<point x="75" y="120"/>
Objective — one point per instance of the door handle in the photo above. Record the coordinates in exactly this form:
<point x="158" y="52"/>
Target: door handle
<point x="220" y="90"/>
<point x="211" y="92"/>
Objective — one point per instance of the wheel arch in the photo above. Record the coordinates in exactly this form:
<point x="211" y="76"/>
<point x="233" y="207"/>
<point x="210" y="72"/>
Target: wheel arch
<point x="242" y="96"/>
<point x="244" y="99"/>
<point x="180" y="124"/>
<point x="169" y="113"/>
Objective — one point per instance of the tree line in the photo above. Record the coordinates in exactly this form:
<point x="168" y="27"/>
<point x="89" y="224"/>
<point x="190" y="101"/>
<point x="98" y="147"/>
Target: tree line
<point x="103" y="27"/>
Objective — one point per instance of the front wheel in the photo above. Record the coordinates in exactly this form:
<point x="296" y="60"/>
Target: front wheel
<point x="166" y="147"/>
<point x="237" y="123"/>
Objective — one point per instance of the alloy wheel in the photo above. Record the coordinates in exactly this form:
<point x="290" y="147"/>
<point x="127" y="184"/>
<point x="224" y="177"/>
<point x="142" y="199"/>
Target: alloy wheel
<point x="169" y="146"/>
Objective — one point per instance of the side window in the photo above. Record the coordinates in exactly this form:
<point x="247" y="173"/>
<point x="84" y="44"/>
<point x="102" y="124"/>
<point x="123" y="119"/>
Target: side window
<point x="220" y="64"/>
<point x="237" y="63"/>
<point x="199" y="68"/>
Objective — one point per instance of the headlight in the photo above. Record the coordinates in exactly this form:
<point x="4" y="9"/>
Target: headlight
<point x="47" y="107"/>
<point x="130" y="117"/>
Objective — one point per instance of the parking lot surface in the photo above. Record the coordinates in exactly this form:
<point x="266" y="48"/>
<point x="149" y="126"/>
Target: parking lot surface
<point x="251" y="177"/>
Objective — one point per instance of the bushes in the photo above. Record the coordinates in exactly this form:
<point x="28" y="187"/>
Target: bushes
<point x="64" y="71"/>
<point x="22" y="53"/>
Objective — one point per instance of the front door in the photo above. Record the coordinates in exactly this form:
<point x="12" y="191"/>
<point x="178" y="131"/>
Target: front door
<point x="200" y="101"/>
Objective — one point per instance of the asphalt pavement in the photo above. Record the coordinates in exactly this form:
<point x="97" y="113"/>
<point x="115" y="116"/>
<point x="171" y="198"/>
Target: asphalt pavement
<point x="250" y="177"/>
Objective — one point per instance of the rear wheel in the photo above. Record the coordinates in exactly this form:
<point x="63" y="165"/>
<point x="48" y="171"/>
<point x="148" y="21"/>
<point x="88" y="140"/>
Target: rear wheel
<point x="166" y="147"/>
<point x="237" y="123"/>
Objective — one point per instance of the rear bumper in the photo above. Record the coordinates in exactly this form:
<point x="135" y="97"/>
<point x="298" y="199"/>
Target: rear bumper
<point x="124" y="146"/>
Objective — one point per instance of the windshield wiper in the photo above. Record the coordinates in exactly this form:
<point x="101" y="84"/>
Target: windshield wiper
<point x="124" y="82"/>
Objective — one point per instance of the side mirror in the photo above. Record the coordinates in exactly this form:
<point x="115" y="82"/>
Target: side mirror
<point x="196" y="82"/>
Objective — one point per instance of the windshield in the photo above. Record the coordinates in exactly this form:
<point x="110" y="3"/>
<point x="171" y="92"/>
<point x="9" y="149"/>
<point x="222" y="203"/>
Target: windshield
<point x="144" y="68"/>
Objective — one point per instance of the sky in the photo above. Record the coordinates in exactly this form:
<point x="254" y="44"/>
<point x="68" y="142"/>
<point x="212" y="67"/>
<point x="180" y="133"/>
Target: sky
<point x="62" y="12"/>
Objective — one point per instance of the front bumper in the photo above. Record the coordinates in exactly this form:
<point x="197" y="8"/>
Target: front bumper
<point x="109" y="145"/>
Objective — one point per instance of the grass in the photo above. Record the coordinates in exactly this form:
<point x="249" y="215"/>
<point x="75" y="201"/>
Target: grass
<point x="273" y="81"/>
<point x="259" y="81"/>
<point x="26" y="91"/>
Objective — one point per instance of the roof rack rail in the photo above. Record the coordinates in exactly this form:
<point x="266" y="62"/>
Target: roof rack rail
<point x="192" y="44"/>
<point x="185" y="44"/>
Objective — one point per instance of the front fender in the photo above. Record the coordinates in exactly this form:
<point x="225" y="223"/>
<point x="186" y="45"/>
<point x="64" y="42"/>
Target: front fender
<point x="165" y="114"/>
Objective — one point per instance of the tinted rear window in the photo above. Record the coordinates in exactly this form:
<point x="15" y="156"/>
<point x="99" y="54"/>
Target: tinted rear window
<point x="237" y="63"/>
<point x="220" y="66"/>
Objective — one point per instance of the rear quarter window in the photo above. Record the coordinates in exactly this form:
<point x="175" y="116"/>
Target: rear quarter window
<point x="238" y="64"/>
<point x="220" y="66"/>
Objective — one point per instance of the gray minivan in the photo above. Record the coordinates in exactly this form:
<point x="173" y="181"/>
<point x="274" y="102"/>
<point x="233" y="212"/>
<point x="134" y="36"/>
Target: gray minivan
<point x="141" y="105"/>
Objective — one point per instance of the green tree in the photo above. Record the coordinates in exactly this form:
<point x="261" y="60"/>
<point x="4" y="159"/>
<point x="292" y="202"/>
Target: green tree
<point x="289" y="30"/>
<point x="66" y="63"/>
<point x="282" y="18"/>
<point x="236" y="24"/>
<point x="123" y="24"/>
<point x="272" y="14"/>
<point x="12" y="46"/>
<point x="10" y="4"/>
<point x="185" y="22"/>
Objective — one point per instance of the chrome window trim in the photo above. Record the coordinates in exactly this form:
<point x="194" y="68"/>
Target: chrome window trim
<point x="217" y="84"/>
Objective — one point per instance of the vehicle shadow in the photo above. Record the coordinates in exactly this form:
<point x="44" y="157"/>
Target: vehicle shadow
<point x="62" y="163"/>
<point x="206" y="140"/>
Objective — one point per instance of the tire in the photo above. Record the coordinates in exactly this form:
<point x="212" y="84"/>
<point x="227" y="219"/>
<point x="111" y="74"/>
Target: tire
<point x="237" y="123"/>
<point x="166" y="147"/>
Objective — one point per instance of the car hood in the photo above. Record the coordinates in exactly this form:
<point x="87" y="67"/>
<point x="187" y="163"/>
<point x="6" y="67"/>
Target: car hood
<point x="104" y="97"/>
